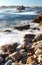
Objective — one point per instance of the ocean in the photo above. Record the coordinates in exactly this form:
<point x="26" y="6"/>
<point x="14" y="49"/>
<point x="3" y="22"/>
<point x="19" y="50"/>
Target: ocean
<point x="10" y="17"/>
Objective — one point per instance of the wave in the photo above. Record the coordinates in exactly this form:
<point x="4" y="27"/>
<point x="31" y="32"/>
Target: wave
<point x="15" y="36"/>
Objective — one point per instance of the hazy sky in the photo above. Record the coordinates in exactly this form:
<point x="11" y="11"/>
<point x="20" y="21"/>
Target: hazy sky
<point x="21" y="2"/>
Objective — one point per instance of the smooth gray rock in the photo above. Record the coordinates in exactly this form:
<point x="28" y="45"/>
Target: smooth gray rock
<point x="9" y="62"/>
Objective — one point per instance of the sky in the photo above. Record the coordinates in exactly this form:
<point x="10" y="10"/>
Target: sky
<point x="21" y="2"/>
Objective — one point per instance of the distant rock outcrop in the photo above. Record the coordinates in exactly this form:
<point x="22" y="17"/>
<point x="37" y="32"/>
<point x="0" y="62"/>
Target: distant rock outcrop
<point x="21" y="8"/>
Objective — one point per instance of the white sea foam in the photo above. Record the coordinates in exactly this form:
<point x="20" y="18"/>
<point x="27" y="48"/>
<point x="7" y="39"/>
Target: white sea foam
<point x="26" y="13"/>
<point x="14" y="11"/>
<point x="16" y="36"/>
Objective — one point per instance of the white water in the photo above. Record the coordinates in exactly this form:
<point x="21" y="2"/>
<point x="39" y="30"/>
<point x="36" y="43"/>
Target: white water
<point x="15" y="36"/>
<point x="15" y="11"/>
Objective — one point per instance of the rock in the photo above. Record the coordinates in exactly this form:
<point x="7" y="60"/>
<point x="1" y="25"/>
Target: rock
<point x="1" y="59"/>
<point x="36" y="28"/>
<point x="38" y="38"/>
<point x="4" y="48"/>
<point x="26" y="47"/>
<point x="28" y="40"/>
<point x="9" y="62"/>
<point x="35" y="48"/>
<point x="29" y="37"/>
<point x="14" y="63"/>
<point x="7" y="31"/>
<point x="22" y="51"/>
<point x="24" y="54"/>
<point x="33" y="63"/>
<point x="37" y="45"/>
<point x="22" y="27"/>
<point x="21" y="8"/>
<point x="23" y="60"/>
<point x="12" y="48"/>
<point x="38" y="19"/>
<point x="38" y="51"/>
<point x="40" y="59"/>
<point x="4" y="55"/>
<point x="40" y="24"/>
<point x="16" y="56"/>
<point x="31" y="50"/>
<point x="9" y="48"/>
<point x="30" y="59"/>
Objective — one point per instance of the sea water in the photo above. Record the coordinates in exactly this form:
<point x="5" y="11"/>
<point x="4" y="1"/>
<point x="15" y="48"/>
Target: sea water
<point x="9" y="18"/>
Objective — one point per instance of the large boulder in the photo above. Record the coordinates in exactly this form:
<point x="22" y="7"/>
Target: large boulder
<point x="22" y="27"/>
<point x="29" y="37"/>
<point x="38" y="19"/>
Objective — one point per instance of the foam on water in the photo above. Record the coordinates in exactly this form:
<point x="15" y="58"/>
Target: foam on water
<point x="8" y="38"/>
<point x="16" y="35"/>
<point x="7" y="15"/>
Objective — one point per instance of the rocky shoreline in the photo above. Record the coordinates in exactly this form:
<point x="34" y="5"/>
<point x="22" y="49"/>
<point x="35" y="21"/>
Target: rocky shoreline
<point x="30" y="53"/>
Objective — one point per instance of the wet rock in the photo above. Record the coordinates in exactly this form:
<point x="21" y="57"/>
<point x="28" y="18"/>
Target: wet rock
<point x="22" y="51"/>
<point x="29" y="37"/>
<point x="4" y="48"/>
<point x="22" y="27"/>
<point x="38" y="38"/>
<point x="9" y="62"/>
<point x="36" y="28"/>
<point x="12" y="48"/>
<point x="9" y="48"/>
<point x="26" y="47"/>
<point x="4" y="55"/>
<point x="38" y="19"/>
<point x="1" y="59"/>
<point x="16" y="56"/>
<point x="7" y="31"/>
<point x="24" y="54"/>
<point x="23" y="60"/>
